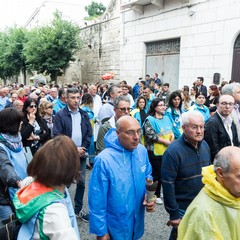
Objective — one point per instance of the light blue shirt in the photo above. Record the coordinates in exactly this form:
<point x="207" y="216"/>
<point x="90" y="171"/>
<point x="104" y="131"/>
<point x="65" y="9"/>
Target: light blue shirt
<point x="76" y="127"/>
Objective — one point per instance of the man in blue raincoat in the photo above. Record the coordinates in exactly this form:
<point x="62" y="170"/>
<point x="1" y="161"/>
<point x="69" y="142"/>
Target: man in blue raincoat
<point x="117" y="185"/>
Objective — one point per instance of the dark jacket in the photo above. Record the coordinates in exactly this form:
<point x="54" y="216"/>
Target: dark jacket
<point x="203" y="89"/>
<point x="27" y="129"/>
<point x="216" y="135"/>
<point x="181" y="174"/>
<point x="63" y="125"/>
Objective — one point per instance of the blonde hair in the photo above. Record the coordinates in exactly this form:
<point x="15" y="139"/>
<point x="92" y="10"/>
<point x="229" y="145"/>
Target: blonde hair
<point x="43" y="106"/>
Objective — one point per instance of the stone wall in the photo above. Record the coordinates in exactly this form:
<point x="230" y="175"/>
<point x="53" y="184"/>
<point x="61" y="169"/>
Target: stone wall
<point x="101" y="48"/>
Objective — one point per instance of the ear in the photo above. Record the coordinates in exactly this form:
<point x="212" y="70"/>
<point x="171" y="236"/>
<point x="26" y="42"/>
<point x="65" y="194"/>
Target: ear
<point x="219" y="172"/>
<point x="183" y="127"/>
<point x="118" y="132"/>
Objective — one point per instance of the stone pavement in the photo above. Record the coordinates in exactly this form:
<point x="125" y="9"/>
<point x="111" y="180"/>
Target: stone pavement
<point x="155" y="223"/>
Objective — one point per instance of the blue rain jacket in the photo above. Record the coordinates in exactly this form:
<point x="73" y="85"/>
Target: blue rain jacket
<point x="117" y="190"/>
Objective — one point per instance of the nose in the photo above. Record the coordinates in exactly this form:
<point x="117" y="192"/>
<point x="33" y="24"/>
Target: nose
<point x="136" y="136"/>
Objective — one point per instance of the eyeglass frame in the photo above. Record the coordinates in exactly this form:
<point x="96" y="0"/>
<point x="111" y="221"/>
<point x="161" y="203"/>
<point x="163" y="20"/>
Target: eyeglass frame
<point x="195" y="128"/>
<point x="227" y="103"/>
<point x="132" y="133"/>
<point x="124" y="109"/>
<point x="32" y="106"/>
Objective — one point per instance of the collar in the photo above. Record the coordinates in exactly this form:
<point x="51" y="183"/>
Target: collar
<point x="70" y="111"/>
<point x="189" y="144"/>
<point x="227" y="120"/>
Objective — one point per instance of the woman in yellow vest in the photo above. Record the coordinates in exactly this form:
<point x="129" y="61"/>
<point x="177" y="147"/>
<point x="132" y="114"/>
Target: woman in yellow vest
<point x="158" y="135"/>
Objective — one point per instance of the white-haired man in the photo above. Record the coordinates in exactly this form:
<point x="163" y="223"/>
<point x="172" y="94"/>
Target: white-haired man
<point x="182" y="164"/>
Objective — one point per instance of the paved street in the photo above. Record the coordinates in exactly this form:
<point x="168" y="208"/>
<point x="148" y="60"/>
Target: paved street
<point x="155" y="223"/>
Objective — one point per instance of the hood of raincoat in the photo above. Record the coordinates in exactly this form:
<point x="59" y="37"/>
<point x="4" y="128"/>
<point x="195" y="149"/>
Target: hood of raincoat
<point x="111" y="140"/>
<point x="216" y="191"/>
<point x="13" y="142"/>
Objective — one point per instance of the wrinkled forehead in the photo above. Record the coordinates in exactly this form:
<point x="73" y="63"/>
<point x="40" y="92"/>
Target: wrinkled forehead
<point x="196" y="120"/>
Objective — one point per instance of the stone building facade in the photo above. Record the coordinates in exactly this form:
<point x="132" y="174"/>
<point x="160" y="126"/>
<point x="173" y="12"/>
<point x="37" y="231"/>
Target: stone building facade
<point x="200" y="34"/>
<point x="178" y="39"/>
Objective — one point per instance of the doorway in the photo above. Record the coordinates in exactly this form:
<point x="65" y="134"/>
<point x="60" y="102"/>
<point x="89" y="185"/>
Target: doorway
<point x="236" y="61"/>
<point x="162" y="57"/>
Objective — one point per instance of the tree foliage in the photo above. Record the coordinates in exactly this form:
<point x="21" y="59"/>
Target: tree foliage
<point x="47" y="49"/>
<point x="95" y="9"/>
<point x="12" y="60"/>
<point x="50" y="48"/>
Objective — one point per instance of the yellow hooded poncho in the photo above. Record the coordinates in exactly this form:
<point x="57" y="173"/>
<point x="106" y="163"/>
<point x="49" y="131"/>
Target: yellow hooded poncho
<point x="213" y="214"/>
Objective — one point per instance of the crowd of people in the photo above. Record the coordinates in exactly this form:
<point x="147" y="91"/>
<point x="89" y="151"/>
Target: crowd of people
<point x="127" y="136"/>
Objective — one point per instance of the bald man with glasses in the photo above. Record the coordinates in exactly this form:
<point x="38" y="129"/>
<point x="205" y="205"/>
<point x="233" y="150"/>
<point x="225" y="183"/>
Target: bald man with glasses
<point x="116" y="194"/>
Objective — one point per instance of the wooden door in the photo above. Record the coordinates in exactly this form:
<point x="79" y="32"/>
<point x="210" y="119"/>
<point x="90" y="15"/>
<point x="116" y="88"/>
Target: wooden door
<point x="162" y="57"/>
<point x="236" y="65"/>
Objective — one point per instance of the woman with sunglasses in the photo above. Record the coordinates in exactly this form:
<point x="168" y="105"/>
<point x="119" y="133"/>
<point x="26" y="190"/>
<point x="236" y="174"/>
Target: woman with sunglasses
<point x="46" y="112"/>
<point x="34" y="129"/>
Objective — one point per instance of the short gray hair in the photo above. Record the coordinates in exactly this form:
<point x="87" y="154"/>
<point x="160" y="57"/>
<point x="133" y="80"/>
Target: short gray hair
<point x="71" y="90"/>
<point x="222" y="160"/>
<point x="229" y="89"/>
<point x="119" y="99"/>
<point x="187" y="115"/>
<point x="112" y="88"/>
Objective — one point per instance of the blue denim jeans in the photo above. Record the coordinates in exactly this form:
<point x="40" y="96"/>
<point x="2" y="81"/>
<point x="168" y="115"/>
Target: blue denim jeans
<point x="78" y="199"/>
<point x="5" y="211"/>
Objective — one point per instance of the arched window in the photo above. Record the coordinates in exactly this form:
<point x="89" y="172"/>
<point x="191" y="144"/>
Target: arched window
<point x="236" y="61"/>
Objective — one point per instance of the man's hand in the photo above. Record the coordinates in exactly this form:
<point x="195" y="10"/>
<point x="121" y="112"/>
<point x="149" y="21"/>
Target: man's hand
<point x="81" y="151"/>
<point x="105" y="237"/>
<point x="150" y="206"/>
<point x="174" y="223"/>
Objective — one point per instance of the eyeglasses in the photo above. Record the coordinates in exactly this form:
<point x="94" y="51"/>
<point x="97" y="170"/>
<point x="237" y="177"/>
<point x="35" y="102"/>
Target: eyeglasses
<point x="50" y="107"/>
<point x="124" y="109"/>
<point x="160" y="105"/>
<point x="132" y="133"/>
<point x="195" y="128"/>
<point x="33" y="106"/>
<point x="225" y="104"/>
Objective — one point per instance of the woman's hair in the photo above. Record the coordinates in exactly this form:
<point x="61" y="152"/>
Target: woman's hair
<point x="153" y="105"/>
<point x="10" y="120"/>
<point x="87" y="100"/>
<point x="171" y="97"/>
<point x="138" y="100"/>
<point x="198" y="94"/>
<point x="186" y="88"/>
<point x="43" y="106"/>
<point x="186" y="99"/>
<point x="215" y="90"/>
<point x="21" y="92"/>
<point x="99" y="87"/>
<point x="56" y="163"/>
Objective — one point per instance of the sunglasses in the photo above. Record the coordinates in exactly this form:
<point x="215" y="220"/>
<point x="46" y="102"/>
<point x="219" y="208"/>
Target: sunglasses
<point x="50" y="107"/>
<point x="33" y="106"/>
